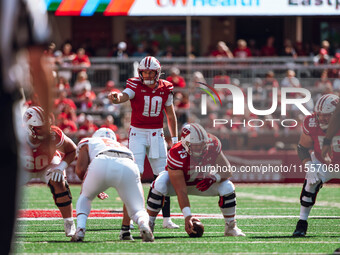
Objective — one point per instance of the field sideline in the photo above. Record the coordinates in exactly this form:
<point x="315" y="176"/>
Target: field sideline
<point x="266" y="213"/>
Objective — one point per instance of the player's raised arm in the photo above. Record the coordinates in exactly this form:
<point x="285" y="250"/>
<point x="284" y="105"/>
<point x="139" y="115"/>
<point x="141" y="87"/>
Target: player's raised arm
<point x="118" y="98"/>
<point x="82" y="162"/>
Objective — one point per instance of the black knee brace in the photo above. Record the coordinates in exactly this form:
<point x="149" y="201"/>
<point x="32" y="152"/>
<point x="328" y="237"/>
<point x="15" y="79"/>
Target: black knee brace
<point x="305" y="193"/>
<point x="227" y="201"/>
<point x="63" y="194"/>
<point x="155" y="202"/>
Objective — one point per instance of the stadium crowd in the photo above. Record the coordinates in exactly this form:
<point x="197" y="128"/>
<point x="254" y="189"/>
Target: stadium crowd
<point x="81" y="108"/>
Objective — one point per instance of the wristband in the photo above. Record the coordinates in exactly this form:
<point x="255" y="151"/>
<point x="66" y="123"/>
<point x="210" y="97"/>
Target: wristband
<point x="218" y="178"/>
<point x="186" y="211"/>
<point x="63" y="165"/>
<point x="327" y="141"/>
<point x="174" y="140"/>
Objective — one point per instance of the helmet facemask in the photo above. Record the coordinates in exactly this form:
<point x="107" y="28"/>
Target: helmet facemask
<point x="194" y="140"/>
<point x="324" y="108"/>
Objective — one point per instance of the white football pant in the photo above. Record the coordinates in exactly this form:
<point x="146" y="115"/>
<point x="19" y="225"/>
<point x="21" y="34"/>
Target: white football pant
<point x="149" y="142"/>
<point x="120" y="173"/>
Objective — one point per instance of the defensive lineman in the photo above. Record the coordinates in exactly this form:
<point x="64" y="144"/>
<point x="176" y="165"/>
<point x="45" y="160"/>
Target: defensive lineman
<point x="103" y="163"/>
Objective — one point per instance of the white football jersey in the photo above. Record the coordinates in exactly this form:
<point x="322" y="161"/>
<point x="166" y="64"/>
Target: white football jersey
<point x="100" y="144"/>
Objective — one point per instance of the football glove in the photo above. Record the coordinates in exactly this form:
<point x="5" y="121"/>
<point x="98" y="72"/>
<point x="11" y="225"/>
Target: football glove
<point x="205" y="184"/>
<point x="57" y="175"/>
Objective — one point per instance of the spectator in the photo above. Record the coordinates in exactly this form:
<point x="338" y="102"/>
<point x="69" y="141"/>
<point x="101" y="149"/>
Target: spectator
<point x="63" y="85"/>
<point x="269" y="50"/>
<point x="169" y="52"/>
<point x="109" y="123"/>
<point x="82" y="84"/>
<point x="255" y="52"/>
<point x="270" y="81"/>
<point x="141" y="51"/>
<point x="222" y="50"/>
<point x="322" y="58"/>
<point x="175" y="78"/>
<point x="61" y="101"/>
<point x="68" y="126"/>
<point x="88" y="127"/>
<point x="81" y="59"/>
<point x="121" y="51"/>
<point x="242" y="51"/>
<point x="324" y="84"/>
<point x="300" y="51"/>
<point x="86" y="100"/>
<point x="67" y="54"/>
<point x="325" y="45"/>
<point x="290" y="80"/>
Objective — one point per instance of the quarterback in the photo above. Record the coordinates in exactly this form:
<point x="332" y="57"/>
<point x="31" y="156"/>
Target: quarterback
<point x="149" y="96"/>
<point x="47" y="153"/>
<point x="196" y="148"/>
<point x="318" y="171"/>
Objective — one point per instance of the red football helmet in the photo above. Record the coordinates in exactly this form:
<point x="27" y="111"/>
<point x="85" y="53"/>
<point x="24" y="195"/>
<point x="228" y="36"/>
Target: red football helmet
<point x="324" y="108"/>
<point x="34" y="121"/>
<point x="152" y="64"/>
<point x="194" y="139"/>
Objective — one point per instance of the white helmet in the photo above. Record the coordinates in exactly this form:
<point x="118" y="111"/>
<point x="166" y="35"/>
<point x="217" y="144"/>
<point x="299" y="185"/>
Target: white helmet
<point x="326" y="105"/>
<point x="33" y="119"/>
<point x="149" y="63"/>
<point x="105" y="132"/>
<point x="194" y="139"/>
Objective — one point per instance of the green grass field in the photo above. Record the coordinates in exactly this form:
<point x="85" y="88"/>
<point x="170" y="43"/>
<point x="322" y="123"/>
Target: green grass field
<point x="266" y="213"/>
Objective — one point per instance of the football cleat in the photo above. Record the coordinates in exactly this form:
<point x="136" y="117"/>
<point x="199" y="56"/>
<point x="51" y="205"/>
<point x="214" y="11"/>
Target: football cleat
<point x="301" y="228"/>
<point x="125" y="235"/>
<point x="70" y="228"/>
<point x="232" y="230"/>
<point x="146" y="234"/>
<point x="78" y="236"/>
<point x="169" y="224"/>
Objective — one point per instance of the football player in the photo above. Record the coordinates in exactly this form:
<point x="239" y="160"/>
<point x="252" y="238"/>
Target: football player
<point x="103" y="163"/>
<point x="149" y="96"/>
<point x="314" y="128"/>
<point x="185" y="175"/>
<point x="45" y="146"/>
<point x="333" y="128"/>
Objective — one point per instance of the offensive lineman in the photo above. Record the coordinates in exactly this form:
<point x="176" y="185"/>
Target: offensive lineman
<point x="43" y="160"/>
<point x="197" y="148"/>
<point x="314" y="128"/>
<point x="149" y="96"/>
<point x="103" y="163"/>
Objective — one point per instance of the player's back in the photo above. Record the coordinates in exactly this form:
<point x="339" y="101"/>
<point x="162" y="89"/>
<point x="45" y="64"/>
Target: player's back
<point x="97" y="145"/>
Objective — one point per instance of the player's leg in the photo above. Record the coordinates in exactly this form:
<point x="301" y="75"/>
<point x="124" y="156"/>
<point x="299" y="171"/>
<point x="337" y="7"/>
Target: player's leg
<point x="137" y="144"/>
<point x="130" y="191"/>
<point x="307" y="200"/>
<point x="63" y="200"/>
<point x="227" y="204"/>
<point x="93" y="184"/>
<point x="158" y="190"/>
<point x="158" y="165"/>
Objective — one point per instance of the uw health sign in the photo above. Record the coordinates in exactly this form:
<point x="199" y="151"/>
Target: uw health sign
<point x="193" y="7"/>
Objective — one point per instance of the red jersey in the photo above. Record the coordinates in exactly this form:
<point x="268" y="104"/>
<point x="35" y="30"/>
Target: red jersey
<point x="148" y="104"/>
<point x="311" y="127"/>
<point x="192" y="167"/>
<point x="38" y="157"/>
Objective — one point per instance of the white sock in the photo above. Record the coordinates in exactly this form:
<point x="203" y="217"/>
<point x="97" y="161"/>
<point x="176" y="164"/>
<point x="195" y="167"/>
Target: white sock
<point x="229" y="219"/>
<point x="68" y="219"/>
<point x="81" y="220"/>
<point x="166" y="219"/>
<point x="304" y="212"/>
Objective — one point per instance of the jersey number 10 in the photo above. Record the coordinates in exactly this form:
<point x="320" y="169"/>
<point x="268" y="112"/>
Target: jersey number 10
<point x="156" y="106"/>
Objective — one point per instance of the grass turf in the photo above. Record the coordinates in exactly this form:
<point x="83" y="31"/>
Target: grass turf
<point x="264" y="234"/>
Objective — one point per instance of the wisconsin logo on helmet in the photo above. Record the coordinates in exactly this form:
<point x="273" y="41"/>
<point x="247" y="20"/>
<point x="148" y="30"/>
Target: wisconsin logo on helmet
<point x="194" y="139"/>
<point x="33" y="120"/>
